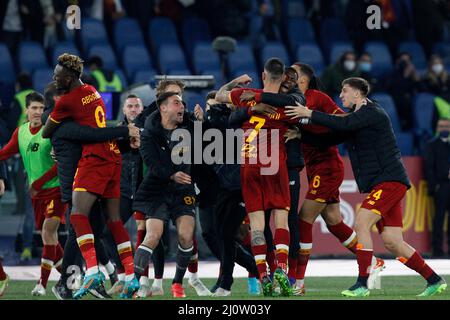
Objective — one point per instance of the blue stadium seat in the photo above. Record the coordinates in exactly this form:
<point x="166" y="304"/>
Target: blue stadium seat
<point x="337" y="50"/>
<point x="332" y="30"/>
<point x="7" y="73"/>
<point x="162" y="31"/>
<point x="145" y="76"/>
<point x="218" y="77"/>
<point x="443" y="50"/>
<point x="106" y="53"/>
<point x="127" y="32"/>
<point x="195" y="30"/>
<point x="381" y="58"/>
<point x="311" y="54"/>
<point x="256" y="77"/>
<point x="92" y="32"/>
<point x="192" y="98"/>
<point x="62" y="47"/>
<point x="205" y="58"/>
<point x="122" y="77"/>
<point x="423" y="106"/>
<point x="416" y="52"/>
<point x="171" y="57"/>
<point x="405" y="142"/>
<point x="387" y="103"/>
<point x="31" y="56"/>
<point x="275" y="50"/>
<point x="294" y="8"/>
<point x="299" y="31"/>
<point x="41" y="78"/>
<point x="241" y="58"/>
<point x="135" y="58"/>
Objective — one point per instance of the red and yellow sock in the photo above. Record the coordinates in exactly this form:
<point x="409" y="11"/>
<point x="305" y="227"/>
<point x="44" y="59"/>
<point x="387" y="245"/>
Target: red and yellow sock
<point x="418" y="264"/>
<point x="345" y="234"/>
<point x="364" y="259"/>
<point x="281" y="240"/>
<point x="85" y="240"/>
<point x="305" y="230"/>
<point x="48" y="256"/>
<point x="58" y="257"/>
<point x="122" y="240"/>
<point x="193" y="264"/>
<point x="259" y="252"/>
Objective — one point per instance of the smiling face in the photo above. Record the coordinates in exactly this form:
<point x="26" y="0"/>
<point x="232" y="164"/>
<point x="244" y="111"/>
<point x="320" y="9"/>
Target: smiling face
<point x="348" y="96"/>
<point x="290" y="80"/>
<point x="132" y="108"/>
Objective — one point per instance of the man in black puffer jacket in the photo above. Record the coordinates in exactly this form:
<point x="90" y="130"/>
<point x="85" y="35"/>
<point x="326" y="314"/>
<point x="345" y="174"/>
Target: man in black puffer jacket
<point x="379" y="171"/>
<point x="67" y="145"/>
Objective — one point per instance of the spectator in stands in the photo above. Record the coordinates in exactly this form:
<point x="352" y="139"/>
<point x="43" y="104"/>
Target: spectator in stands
<point x="107" y="11"/>
<point x="334" y="74"/>
<point x="227" y="18"/>
<point x="436" y="80"/>
<point x="53" y="12"/>
<point x="16" y="114"/>
<point x="12" y="24"/>
<point x="365" y="69"/>
<point x="403" y="83"/>
<point x="104" y="80"/>
<point x="267" y="12"/>
<point x="437" y="172"/>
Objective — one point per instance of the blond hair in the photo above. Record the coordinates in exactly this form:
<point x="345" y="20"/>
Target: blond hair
<point x="71" y="62"/>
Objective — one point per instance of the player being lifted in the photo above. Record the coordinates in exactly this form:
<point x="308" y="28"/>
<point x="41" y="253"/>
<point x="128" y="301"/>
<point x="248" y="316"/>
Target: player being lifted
<point x="44" y="185"/>
<point x="98" y="172"/>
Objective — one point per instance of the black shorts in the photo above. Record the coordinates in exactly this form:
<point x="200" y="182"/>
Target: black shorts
<point x="171" y="206"/>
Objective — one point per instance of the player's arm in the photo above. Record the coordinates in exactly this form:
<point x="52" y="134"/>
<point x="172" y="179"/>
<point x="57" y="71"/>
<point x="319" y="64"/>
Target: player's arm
<point x="75" y="132"/>
<point x="12" y="147"/>
<point x="224" y="93"/>
<point x="274" y="99"/>
<point x="49" y="175"/>
<point x="50" y="126"/>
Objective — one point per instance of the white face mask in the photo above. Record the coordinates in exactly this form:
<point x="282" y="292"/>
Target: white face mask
<point x="349" y="65"/>
<point x="437" y="68"/>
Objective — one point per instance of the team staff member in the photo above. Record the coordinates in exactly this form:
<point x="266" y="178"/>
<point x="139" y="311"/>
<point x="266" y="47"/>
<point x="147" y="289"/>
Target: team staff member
<point x="379" y="171"/>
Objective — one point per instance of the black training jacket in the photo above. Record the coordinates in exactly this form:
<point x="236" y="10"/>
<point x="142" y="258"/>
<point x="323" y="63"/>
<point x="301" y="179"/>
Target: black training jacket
<point x="437" y="163"/>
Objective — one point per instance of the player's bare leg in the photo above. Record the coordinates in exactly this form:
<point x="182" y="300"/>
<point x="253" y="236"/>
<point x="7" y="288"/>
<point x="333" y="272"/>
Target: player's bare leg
<point x="49" y="236"/>
<point x="185" y="227"/>
<point x="309" y="212"/>
<point x="406" y="254"/>
<point x="347" y="236"/>
<point x="281" y="240"/>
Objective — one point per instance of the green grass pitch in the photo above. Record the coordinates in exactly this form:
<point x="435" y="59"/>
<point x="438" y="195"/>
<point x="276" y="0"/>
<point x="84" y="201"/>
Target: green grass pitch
<point x="318" y="288"/>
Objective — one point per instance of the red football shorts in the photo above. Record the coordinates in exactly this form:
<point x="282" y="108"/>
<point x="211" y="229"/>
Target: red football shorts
<point x="98" y="176"/>
<point x="262" y="192"/>
<point x="49" y="206"/>
<point x="324" y="182"/>
<point x="385" y="199"/>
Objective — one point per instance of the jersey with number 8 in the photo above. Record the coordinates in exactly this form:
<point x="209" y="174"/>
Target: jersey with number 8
<point x="85" y="106"/>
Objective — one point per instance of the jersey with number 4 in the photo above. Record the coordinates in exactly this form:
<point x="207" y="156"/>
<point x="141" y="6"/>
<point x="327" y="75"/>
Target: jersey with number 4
<point x="259" y="130"/>
<point x="85" y="106"/>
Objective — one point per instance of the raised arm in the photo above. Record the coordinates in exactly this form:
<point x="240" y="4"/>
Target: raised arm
<point x="223" y="95"/>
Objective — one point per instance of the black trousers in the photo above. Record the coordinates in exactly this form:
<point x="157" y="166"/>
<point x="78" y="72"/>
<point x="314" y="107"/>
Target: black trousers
<point x="442" y="205"/>
<point x="229" y="216"/>
<point x="294" y="188"/>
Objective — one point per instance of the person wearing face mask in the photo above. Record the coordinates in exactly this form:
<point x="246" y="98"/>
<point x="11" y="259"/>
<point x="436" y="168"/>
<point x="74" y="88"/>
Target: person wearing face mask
<point x="333" y="76"/>
<point x="365" y="69"/>
<point x="437" y="172"/>
<point x="436" y="80"/>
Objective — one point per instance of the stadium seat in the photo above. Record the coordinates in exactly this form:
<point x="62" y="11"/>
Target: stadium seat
<point x="294" y="8"/>
<point x="162" y="31"/>
<point x="332" y="30"/>
<point x="171" y="57"/>
<point x="145" y="76"/>
<point x="106" y="53"/>
<point x="127" y="32"/>
<point x="135" y="58"/>
<point x="7" y="73"/>
<point x="443" y="50"/>
<point x="205" y="58"/>
<point x="405" y="142"/>
<point x="337" y="50"/>
<point x="62" y="47"/>
<point x="41" y="78"/>
<point x="387" y="103"/>
<point x="416" y="52"/>
<point x="192" y="98"/>
<point x="423" y="106"/>
<point x="256" y="77"/>
<point x="275" y="49"/>
<point x="92" y="33"/>
<point x="122" y="77"/>
<point x="219" y="79"/>
<point x="241" y="58"/>
<point x="311" y="54"/>
<point x="299" y="31"/>
<point x="381" y="58"/>
<point x="31" y="56"/>
<point x="194" y="31"/>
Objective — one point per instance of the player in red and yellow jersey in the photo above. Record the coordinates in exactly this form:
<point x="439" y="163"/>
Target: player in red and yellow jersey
<point x="325" y="172"/>
<point x="98" y="172"/>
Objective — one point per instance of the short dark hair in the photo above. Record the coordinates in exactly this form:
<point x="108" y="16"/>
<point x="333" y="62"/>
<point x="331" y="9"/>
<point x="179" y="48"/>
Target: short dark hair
<point x="95" y="60"/>
<point x="49" y="93"/>
<point x="24" y="80"/>
<point x="132" y="96"/>
<point x="359" y="84"/>
<point x="164" y="96"/>
<point x="34" y="97"/>
<point x="163" y="84"/>
<point x="275" y="68"/>
<point x="211" y="95"/>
